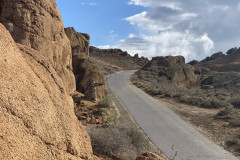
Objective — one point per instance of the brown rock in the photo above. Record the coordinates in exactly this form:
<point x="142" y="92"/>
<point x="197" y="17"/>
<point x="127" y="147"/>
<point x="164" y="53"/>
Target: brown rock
<point x="149" y="156"/>
<point x="38" y="25"/>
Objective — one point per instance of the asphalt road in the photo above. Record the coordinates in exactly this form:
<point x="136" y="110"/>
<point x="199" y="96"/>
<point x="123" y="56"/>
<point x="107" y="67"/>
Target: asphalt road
<point x="163" y="126"/>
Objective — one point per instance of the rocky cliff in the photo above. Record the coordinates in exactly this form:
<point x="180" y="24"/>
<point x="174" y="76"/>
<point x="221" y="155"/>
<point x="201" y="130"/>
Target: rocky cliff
<point x="37" y="119"/>
<point x="83" y="69"/>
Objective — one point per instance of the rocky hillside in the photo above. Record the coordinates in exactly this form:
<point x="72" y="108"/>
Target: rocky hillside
<point x="37" y="114"/>
<point x="222" y="62"/>
<point x="112" y="60"/>
<point x="83" y="69"/>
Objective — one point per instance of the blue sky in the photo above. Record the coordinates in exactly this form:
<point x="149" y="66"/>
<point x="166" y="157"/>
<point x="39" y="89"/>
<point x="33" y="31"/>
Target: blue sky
<point x="103" y="20"/>
<point x="192" y="28"/>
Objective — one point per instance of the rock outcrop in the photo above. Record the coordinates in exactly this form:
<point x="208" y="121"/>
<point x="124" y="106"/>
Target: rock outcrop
<point x="149" y="156"/>
<point x="171" y="69"/>
<point x="84" y="70"/>
<point x="37" y="119"/>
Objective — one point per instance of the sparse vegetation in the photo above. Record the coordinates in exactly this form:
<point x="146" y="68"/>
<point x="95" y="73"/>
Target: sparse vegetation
<point x="119" y="137"/>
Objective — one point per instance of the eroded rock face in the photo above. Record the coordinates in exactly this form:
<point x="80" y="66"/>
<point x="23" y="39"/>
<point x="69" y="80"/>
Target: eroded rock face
<point x="38" y="25"/>
<point x="83" y="69"/>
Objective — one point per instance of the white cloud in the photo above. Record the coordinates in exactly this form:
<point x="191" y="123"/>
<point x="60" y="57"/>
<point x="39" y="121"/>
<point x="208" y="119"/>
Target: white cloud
<point x="105" y="47"/>
<point x="194" y="29"/>
<point x="92" y="4"/>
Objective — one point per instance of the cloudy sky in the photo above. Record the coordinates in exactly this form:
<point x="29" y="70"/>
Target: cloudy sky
<point x="192" y="28"/>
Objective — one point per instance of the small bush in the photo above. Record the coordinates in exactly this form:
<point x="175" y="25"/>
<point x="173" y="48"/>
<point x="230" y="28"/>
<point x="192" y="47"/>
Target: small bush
<point x="109" y="116"/>
<point x="105" y="103"/>
<point x="226" y="112"/>
<point x="235" y="143"/>
<point x="231" y="115"/>
<point x="111" y="142"/>
<point x="235" y="102"/>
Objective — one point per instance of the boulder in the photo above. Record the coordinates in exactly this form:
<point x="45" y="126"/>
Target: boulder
<point x="149" y="156"/>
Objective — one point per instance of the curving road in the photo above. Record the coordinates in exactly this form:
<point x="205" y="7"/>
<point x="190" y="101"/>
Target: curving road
<point x="163" y="126"/>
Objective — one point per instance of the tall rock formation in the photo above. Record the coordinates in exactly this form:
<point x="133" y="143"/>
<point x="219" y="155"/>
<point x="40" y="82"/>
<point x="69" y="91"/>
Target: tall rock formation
<point x="171" y="69"/>
<point x="37" y="119"/>
<point x="38" y="24"/>
<point x="84" y="70"/>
